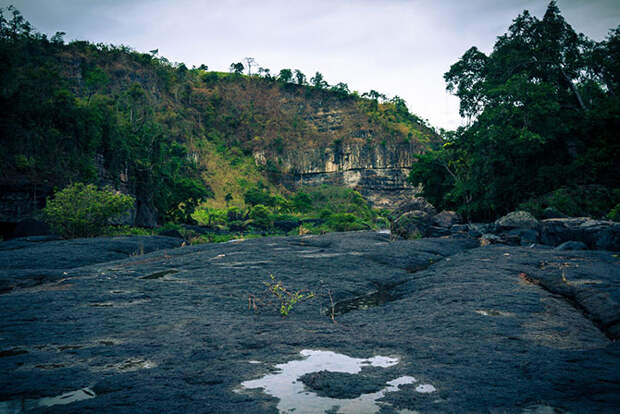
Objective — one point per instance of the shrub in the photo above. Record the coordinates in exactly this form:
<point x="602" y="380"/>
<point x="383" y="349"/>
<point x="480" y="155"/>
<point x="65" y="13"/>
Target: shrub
<point x="81" y="210"/>
<point x="614" y="213"/>
<point x="346" y="222"/>
<point x="585" y="200"/>
<point x="206" y="216"/>
<point x="255" y="196"/>
<point x="302" y="202"/>
<point x="261" y="217"/>
<point x="234" y="214"/>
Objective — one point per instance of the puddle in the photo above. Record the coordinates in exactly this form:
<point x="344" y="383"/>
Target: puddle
<point x="380" y="297"/>
<point x="159" y="275"/>
<point x="294" y="397"/>
<point x="425" y="388"/>
<point x="384" y="231"/>
<point x="22" y="405"/>
<point x="493" y="312"/>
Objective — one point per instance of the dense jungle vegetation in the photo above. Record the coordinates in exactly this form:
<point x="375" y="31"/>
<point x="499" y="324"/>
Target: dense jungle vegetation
<point x="544" y="121"/>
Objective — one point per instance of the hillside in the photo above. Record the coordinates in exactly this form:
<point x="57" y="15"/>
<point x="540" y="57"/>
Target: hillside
<point x="173" y="136"/>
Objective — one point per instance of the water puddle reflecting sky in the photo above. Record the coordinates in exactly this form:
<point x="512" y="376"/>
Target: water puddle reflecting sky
<point x="296" y="398"/>
<point x="22" y="405"/>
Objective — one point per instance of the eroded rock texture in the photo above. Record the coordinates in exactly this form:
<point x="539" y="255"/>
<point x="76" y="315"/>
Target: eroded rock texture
<point x="482" y="329"/>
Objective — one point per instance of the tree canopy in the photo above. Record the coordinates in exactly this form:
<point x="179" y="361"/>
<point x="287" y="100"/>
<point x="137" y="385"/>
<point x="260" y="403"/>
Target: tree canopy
<point x="543" y="113"/>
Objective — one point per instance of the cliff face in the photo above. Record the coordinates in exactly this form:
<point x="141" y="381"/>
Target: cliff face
<point x="111" y="111"/>
<point x="378" y="172"/>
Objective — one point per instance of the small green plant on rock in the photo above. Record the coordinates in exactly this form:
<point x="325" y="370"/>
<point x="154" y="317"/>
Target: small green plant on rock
<point x="278" y="297"/>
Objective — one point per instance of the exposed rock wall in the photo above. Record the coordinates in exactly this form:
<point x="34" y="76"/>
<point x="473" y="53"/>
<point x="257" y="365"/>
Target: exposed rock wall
<point x="378" y="172"/>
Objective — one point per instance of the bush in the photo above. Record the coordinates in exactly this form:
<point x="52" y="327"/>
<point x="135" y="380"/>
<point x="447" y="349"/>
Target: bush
<point x="261" y="217"/>
<point x="586" y="200"/>
<point x="614" y="213"/>
<point x="206" y="216"/>
<point x="255" y="196"/>
<point x="346" y="222"/>
<point x="81" y="210"/>
<point x="234" y="214"/>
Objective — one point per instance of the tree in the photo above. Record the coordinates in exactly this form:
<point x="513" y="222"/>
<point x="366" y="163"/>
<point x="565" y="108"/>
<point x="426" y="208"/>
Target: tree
<point x="342" y="89"/>
<point x="374" y="95"/>
<point x="285" y="75"/>
<point x="300" y="78"/>
<point x="250" y="61"/>
<point x="237" y="68"/>
<point x="318" y="82"/>
<point x="265" y="72"/>
<point x="539" y="118"/>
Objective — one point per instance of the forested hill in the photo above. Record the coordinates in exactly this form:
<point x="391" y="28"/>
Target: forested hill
<point x="171" y="135"/>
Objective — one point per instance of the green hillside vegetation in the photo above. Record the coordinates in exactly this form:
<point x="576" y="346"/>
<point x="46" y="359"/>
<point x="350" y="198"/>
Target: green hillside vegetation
<point x="544" y="111"/>
<point x="171" y="136"/>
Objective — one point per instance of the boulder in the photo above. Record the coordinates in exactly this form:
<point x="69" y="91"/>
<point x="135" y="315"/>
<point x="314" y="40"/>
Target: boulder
<point x="412" y="225"/>
<point x="551" y="212"/>
<point x="446" y="219"/>
<point x="416" y="204"/>
<point x="489" y="238"/>
<point x="518" y="219"/>
<point x="596" y="234"/>
<point x="525" y="237"/>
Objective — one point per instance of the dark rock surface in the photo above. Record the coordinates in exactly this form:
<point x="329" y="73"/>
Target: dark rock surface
<point x="492" y="329"/>
<point x="31" y="261"/>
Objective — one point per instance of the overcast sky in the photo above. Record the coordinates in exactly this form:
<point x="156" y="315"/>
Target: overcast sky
<point x="398" y="47"/>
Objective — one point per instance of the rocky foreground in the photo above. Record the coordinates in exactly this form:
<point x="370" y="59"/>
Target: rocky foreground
<point x="430" y="325"/>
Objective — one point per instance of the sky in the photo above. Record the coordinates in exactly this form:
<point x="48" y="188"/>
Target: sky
<point x="397" y="47"/>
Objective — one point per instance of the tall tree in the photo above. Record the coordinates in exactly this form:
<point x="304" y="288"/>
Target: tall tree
<point x="534" y="107"/>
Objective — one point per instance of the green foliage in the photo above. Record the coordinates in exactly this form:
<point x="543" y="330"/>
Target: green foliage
<point x="210" y="216"/>
<point x="261" y="217"/>
<point x="346" y="222"/>
<point x="81" y="210"/>
<point x="302" y="202"/>
<point x="236" y="68"/>
<point x="58" y="127"/>
<point x="544" y="114"/>
<point x="339" y="200"/>
<point x="614" y="213"/>
<point x="285" y="75"/>
<point x="258" y="195"/>
<point x="278" y="296"/>
<point x="318" y="82"/>
<point x="590" y="200"/>
<point x="234" y="214"/>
